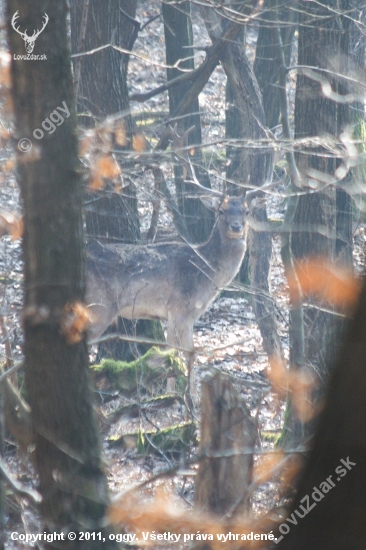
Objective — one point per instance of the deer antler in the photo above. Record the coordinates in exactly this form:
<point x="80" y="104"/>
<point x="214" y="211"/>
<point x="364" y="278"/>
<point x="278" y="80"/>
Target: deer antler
<point x="13" y="22"/>
<point x="194" y="181"/>
<point x="37" y="33"/>
<point x="24" y="34"/>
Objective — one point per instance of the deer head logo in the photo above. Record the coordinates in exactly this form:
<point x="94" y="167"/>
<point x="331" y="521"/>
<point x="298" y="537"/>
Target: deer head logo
<point x="29" y="40"/>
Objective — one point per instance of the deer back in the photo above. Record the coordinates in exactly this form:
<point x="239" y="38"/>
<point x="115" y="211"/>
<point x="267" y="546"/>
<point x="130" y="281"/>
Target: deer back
<point x="162" y="281"/>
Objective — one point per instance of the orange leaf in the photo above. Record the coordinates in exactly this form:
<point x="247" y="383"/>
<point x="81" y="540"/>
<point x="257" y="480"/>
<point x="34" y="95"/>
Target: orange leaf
<point x="278" y="376"/>
<point x="86" y="143"/>
<point x="74" y="322"/>
<point x="291" y="469"/>
<point x="120" y="134"/>
<point x="96" y="183"/>
<point x="11" y="224"/>
<point x="106" y="167"/>
<point x="139" y="143"/>
<point x="332" y="284"/>
<point x="266" y="465"/>
<point x="9" y="165"/>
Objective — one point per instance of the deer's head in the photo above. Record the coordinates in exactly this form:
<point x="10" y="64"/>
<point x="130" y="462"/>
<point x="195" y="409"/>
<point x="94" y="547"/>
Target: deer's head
<point x="233" y="214"/>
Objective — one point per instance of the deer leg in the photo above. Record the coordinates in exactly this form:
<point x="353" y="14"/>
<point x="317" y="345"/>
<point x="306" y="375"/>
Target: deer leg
<point x="180" y="335"/>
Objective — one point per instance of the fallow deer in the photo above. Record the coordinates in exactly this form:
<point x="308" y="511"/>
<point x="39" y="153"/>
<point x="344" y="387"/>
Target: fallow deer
<point x="173" y="281"/>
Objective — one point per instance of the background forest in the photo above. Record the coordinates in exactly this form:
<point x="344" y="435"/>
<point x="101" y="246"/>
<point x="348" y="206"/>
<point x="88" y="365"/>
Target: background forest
<point x="124" y="114"/>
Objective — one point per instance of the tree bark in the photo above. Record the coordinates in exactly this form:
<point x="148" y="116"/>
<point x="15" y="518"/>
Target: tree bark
<point x="227" y="443"/>
<point x="253" y="164"/>
<point x="322" y="44"/>
<point x="102" y="91"/>
<point x="102" y="85"/>
<point x="67" y="446"/>
<point x="178" y="46"/>
<point x="265" y="66"/>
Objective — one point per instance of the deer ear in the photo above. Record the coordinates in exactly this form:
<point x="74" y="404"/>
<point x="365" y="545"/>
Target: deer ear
<point x="212" y="203"/>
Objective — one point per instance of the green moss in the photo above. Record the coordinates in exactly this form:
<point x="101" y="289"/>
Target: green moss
<point x="144" y="373"/>
<point x="171" y="441"/>
<point x="272" y="437"/>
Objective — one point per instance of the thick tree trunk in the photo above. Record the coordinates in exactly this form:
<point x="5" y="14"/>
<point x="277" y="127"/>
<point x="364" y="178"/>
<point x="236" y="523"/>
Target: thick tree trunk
<point x="101" y="80"/>
<point x="102" y="91"/>
<point x="265" y="66"/>
<point x="253" y="164"/>
<point x="178" y="46"/>
<point x="350" y="116"/>
<point x="67" y="447"/>
<point x="323" y="44"/>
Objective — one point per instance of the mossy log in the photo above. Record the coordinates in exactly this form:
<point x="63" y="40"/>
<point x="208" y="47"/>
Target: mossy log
<point x="170" y="441"/>
<point x="147" y="373"/>
<point x="127" y="412"/>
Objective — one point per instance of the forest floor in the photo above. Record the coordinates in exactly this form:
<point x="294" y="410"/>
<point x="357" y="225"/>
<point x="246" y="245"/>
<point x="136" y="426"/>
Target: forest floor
<point x="226" y="337"/>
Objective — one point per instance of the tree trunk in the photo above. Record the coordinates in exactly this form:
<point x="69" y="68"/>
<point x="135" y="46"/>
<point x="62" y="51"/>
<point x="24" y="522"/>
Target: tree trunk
<point x="102" y="91"/>
<point x="178" y="46"/>
<point x="102" y="86"/>
<point x="67" y="447"/>
<point x="350" y="116"/>
<point x="253" y="164"/>
<point x="321" y="44"/>
<point x="265" y="66"/>
<point x="227" y="429"/>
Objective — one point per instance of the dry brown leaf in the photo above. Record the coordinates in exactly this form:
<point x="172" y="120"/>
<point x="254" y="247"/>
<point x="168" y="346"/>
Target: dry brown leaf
<point x="12" y="224"/>
<point x="120" y="134"/>
<point x="264" y="468"/>
<point x="75" y="320"/>
<point x="139" y="143"/>
<point x="163" y="514"/>
<point x="86" y="143"/>
<point x="303" y="408"/>
<point x="4" y="133"/>
<point x="332" y="284"/>
<point x="278" y="376"/>
<point x="95" y="182"/>
<point x="301" y="385"/>
<point x="8" y="165"/>
<point x="5" y="63"/>
<point x="291" y="469"/>
<point x="107" y="167"/>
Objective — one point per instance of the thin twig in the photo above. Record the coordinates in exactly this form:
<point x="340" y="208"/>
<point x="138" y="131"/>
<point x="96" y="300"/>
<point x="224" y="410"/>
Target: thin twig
<point x="10" y="371"/>
<point x="19" y="488"/>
